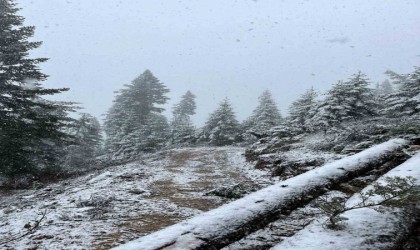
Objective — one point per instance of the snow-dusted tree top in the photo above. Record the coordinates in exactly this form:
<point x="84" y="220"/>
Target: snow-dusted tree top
<point x="222" y="127"/>
<point x="265" y="116"/>
<point x="186" y="106"/>
<point x="346" y="101"/>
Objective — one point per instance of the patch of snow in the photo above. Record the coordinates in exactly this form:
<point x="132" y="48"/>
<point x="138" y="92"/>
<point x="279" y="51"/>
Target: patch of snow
<point x="365" y="226"/>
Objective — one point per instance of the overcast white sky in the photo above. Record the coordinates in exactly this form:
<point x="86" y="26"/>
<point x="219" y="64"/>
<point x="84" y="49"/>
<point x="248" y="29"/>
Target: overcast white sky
<point x="220" y="48"/>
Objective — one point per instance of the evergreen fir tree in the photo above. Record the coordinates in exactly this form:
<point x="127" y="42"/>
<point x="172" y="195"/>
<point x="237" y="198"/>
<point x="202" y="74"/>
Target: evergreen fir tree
<point x="31" y="128"/>
<point x="114" y="124"/>
<point x="396" y="78"/>
<point x="332" y="110"/>
<point x="301" y="110"/>
<point x="265" y="116"/>
<point x="154" y="133"/>
<point x="222" y="127"/>
<point x="346" y="101"/>
<point x="359" y="98"/>
<point x="186" y="106"/>
<point x="129" y="122"/>
<point x="405" y="101"/>
<point x="88" y="132"/>
<point x="182" y="129"/>
<point x="88" y="139"/>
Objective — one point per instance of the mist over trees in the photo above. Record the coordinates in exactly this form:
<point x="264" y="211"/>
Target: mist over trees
<point x="38" y="135"/>
<point x="89" y="182"/>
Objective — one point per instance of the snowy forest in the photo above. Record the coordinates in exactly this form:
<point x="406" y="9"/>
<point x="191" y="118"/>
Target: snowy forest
<point x="135" y="171"/>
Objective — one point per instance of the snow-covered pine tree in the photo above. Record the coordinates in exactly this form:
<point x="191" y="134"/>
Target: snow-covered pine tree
<point x="301" y="110"/>
<point x="134" y="111"/>
<point x="186" y="106"/>
<point x="182" y="129"/>
<point x="222" y="127"/>
<point x="114" y="125"/>
<point x="346" y="101"/>
<point x="405" y="101"/>
<point x="265" y="116"/>
<point x="332" y="110"/>
<point x="31" y="128"/>
<point x="154" y="133"/>
<point x="88" y="139"/>
<point x="359" y="98"/>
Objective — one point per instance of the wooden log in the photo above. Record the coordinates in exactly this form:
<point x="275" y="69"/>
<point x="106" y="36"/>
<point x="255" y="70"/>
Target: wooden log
<point x="219" y="227"/>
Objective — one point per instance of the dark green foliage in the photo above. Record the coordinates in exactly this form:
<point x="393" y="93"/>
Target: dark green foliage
<point x="31" y="128"/>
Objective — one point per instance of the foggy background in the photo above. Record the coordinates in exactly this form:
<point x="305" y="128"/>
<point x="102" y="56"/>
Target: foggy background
<point x="219" y="48"/>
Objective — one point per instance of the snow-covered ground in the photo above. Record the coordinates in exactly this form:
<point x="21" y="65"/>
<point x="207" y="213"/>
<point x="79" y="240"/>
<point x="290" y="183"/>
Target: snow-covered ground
<point x="365" y="228"/>
<point x="121" y="203"/>
<point x="230" y="218"/>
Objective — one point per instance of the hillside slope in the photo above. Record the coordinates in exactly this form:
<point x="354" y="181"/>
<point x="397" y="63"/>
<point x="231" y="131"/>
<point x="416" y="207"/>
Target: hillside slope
<point x="121" y="203"/>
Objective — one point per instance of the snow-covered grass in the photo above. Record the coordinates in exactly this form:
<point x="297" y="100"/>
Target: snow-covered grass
<point x="229" y="218"/>
<point x="121" y="203"/>
<point x="366" y="228"/>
